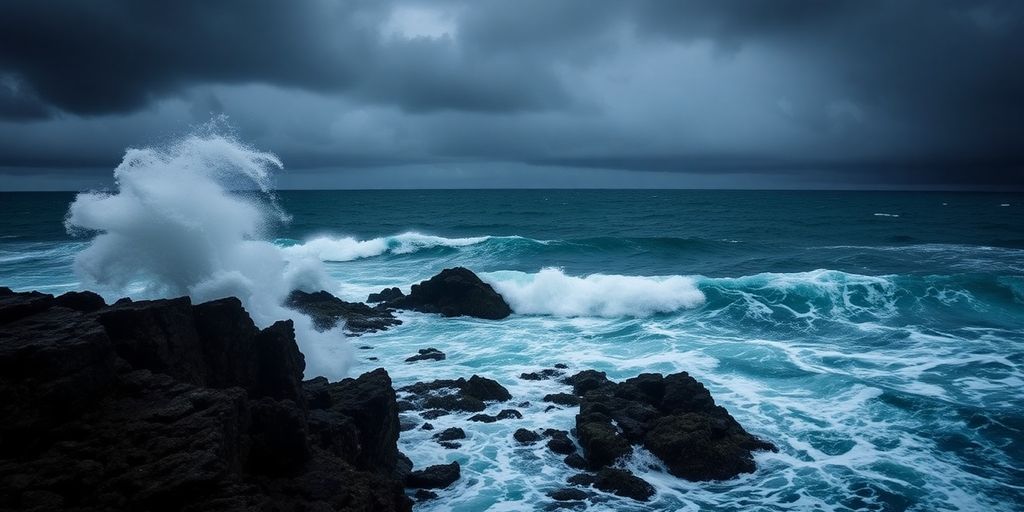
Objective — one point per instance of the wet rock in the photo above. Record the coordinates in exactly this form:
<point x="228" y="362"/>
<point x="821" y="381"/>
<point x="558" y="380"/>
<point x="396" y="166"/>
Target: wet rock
<point x="559" y="442"/>
<point x="623" y="483"/>
<point x="434" y="477"/>
<point x="365" y="347"/>
<point x="565" y="399"/>
<point x="562" y="366"/>
<point x="327" y="311"/>
<point x="541" y="375"/>
<point x="424" y="495"/>
<point x="385" y="295"/>
<point x="584" y="479"/>
<point x="457" y="394"/>
<point x="673" y="416"/>
<point x="427" y="426"/>
<point x="575" y="461"/>
<point x="505" y="414"/>
<point x="427" y="354"/>
<point x="587" y="380"/>
<point x="450" y="434"/>
<point x="569" y="494"/>
<point x="485" y="389"/>
<point x="454" y="403"/>
<point x="454" y="292"/>
<point x="86" y="302"/>
<point x="434" y="414"/>
<point x="523" y="436"/>
<point x="165" y="405"/>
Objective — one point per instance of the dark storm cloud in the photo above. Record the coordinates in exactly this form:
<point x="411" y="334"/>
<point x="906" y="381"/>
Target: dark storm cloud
<point x="912" y="92"/>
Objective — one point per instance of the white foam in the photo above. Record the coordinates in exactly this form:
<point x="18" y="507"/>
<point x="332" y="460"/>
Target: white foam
<point x="348" y="248"/>
<point x="887" y="215"/>
<point x="174" y="227"/>
<point x="552" y="292"/>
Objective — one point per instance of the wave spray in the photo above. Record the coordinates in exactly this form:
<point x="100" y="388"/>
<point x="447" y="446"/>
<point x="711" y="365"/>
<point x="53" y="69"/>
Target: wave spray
<point x="186" y="218"/>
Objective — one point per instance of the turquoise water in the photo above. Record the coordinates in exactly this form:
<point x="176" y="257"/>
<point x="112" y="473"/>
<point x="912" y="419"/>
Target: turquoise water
<point x="876" y="338"/>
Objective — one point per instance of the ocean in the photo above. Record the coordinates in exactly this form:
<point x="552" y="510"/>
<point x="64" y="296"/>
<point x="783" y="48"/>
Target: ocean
<point x="876" y="337"/>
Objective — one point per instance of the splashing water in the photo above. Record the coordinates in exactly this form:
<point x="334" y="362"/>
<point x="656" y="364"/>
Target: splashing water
<point x="179" y="223"/>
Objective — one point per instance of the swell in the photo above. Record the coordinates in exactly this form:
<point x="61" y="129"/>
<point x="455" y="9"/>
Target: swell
<point x="800" y="299"/>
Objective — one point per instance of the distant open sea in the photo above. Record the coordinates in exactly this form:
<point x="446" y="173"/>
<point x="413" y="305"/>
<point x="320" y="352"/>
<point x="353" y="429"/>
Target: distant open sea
<point x="876" y="337"/>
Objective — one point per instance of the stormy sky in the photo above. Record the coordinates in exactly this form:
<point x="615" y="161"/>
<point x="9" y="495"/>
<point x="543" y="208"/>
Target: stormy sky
<point x="903" y="94"/>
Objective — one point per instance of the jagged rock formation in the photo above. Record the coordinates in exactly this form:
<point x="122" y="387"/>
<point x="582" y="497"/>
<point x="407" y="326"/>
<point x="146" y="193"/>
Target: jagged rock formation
<point x="166" y="405"/>
<point x="673" y="416"/>
<point x="454" y="292"/>
<point x="327" y="311"/>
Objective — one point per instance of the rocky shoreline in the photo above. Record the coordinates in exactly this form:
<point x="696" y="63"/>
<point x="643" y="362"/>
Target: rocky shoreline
<point x="169" y="405"/>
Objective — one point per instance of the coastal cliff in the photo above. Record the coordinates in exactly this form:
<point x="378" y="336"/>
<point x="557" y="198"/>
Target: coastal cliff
<point x="166" y="405"/>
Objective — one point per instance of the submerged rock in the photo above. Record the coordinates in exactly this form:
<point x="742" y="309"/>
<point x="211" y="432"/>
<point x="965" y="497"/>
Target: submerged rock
<point x="165" y="405"/>
<point x="426" y="354"/>
<point x="450" y="434"/>
<point x="523" y="436"/>
<point x="454" y="292"/>
<point x="505" y="414"/>
<point x="434" y="477"/>
<point x="327" y="311"/>
<point x="623" y="483"/>
<point x="456" y="394"/>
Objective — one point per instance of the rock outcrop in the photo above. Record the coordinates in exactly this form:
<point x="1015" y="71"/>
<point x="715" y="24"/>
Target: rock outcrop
<point x="327" y="311"/>
<point x="166" y="405"/>
<point x="454" y="292"/>
<point x="673" y="416"/>
<point x="385" y="295"/>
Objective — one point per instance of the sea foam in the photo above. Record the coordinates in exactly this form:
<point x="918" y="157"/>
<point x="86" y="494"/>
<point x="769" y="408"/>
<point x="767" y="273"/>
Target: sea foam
<point x="552" y="292"/>
<point x="174" y="227"/>
<point x="327" y="248"/>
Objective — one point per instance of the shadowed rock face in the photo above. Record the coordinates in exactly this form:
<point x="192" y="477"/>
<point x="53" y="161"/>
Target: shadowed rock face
<point x="454" y="292"/>
<point x="327" y="311"/>
<point x="163" y="405"/>
<point x="673" y="416"/>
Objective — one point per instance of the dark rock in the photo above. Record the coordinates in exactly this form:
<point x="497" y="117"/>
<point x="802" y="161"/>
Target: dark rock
<point x="365" y="347"/>
<point x="14" y="305"/>
<point x="385" y="295"/>
<point x="434" y="414"/>
<point x="587" y="380"/>
<point x="424" y="495"/>
<point x="524" y="436"/>
<point x="327" y="311"/>
<point x="162" y="405"/>
<point x="562" y="366"/>
<point x="601" y="443"/>
<point x="450" y="434"/>
<point x="485" y="389"/>
<point x="623" y="483"/>
<point x="451" y="445"/>
<point x="405" y="405"/>
<point x="456" y="395"/>
<point x="573" y="460"/>
<point x="505" y="414"/>
<point x="584" y="479"/>
<point x="454" y="403"/>
<point x="373" y="359"/>
<point x="562" y="399"/>
<point x="86" y="302"/>
<point x="672" y="416"/>
<point x="541" y="375"/>
<point x="434" y="477"/>
<point x="454" y="292"/>
<point x="427" y="354"/>
<point x="427" y="426"/>
<point x="569" y="494"/>
<point x="559" y="442"/>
